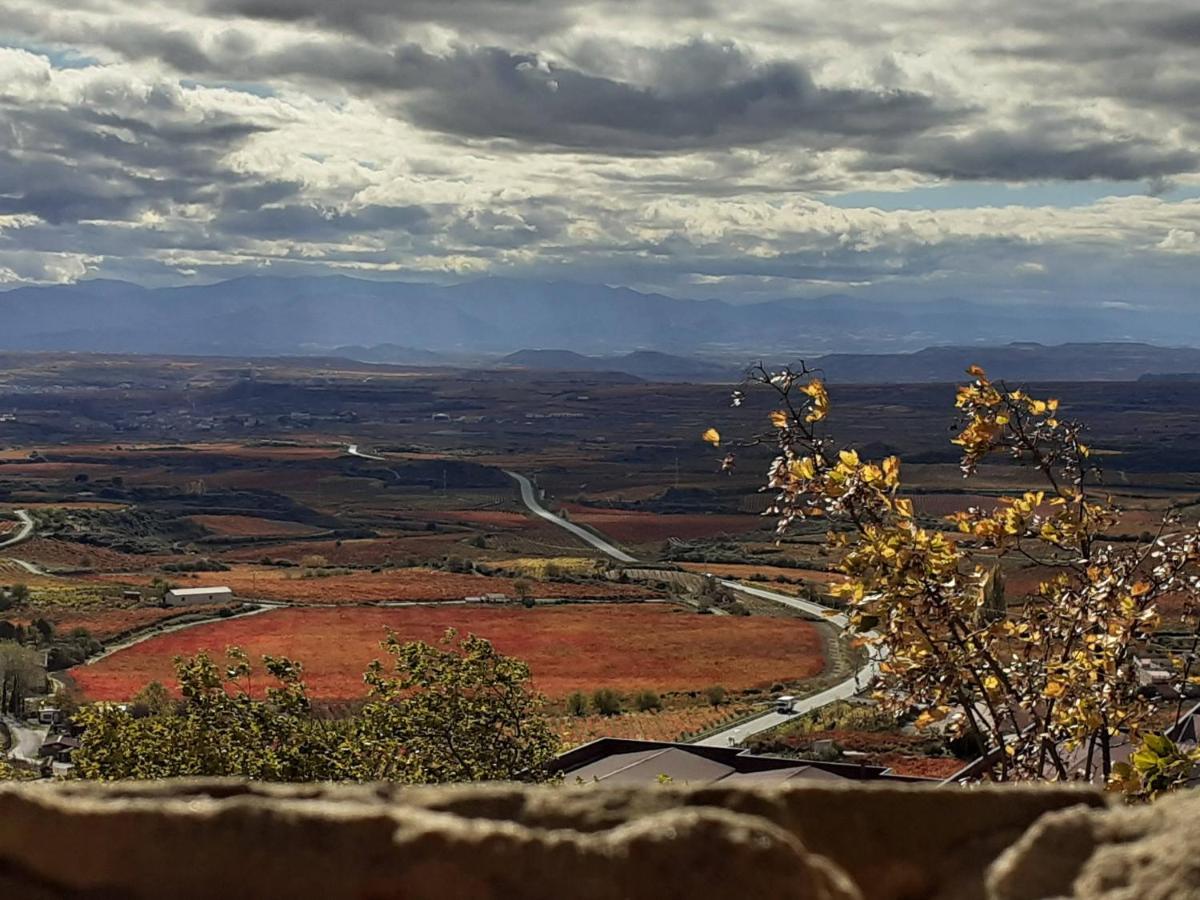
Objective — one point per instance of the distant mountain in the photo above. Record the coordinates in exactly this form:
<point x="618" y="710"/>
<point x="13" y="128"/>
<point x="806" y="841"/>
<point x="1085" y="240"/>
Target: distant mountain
<point x="272" y="316"/>
<point x="393" y="354"/>
<point x="1015" y="362"/>
<point x="648" y="364"/>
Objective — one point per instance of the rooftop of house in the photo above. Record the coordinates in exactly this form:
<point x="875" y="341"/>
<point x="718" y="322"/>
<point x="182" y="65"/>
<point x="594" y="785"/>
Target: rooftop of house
<point x="621" y="761"/>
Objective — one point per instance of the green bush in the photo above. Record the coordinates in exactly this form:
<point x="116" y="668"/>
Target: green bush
<point x="606" y="702"/>
<point x="647" y="701"/>
<point x="577" y="704"/>
<point x="715" y="695"/>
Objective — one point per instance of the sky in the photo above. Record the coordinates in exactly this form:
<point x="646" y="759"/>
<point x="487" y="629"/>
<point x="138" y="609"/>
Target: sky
<point x="1017" y="151"/>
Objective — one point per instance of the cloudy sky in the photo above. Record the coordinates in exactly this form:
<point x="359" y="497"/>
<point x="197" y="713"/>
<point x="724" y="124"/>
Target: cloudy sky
<point x="1020" y="150"/>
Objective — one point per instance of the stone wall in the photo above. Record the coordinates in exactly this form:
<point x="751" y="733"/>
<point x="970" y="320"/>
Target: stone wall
<point x="228" y="839"/>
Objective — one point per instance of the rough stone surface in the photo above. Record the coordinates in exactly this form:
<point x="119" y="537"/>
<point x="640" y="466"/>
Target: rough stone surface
<point x="1135" y="853"/>
<point x="231" y="839"/>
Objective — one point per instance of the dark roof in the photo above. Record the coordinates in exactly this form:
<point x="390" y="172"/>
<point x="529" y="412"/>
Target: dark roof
<point x="58" y="745"/>
<point x="620" y="761"/>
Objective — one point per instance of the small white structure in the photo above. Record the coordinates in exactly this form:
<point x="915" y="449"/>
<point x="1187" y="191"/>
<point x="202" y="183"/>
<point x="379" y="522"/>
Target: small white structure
<point x="197" y="596"/>
<point x="785" y="704"/>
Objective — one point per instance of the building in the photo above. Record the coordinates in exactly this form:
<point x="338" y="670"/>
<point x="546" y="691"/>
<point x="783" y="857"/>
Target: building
<point x="197" y="596"/>
<point x="59" y="748"/>
<point x="619" y="761"/>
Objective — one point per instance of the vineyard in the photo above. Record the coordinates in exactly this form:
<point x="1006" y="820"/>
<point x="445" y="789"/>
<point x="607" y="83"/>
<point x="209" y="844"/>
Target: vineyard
<point x="643" y="527"/>
<point x="626" y="647"/>
<point x="251" y="526"/>
<point x="299" y="585"/>
<point x="665" y="725"/>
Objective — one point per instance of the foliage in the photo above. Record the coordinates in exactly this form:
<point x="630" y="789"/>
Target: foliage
<point x="457" y="712"/>
<point x="1157" y="766"/>
<point x="715" y="695"/>
<point x="21" y="674"/>
<point x="577" y="704"/>
<point x="1048" y="683"/>
<point x="606" y="702"/>
<point x="647" y="701"/>
<point x="9" y="772"/>
<point x="452" y="713"/>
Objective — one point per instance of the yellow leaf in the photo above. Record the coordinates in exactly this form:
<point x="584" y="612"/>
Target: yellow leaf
<point x="1054" y="689"/>
<point x="779" y="419"/>
<point x="1141" y="588"/>
<point x="849" y="458"/>
<point x="976" y="372"/>
<point x="991" y="683"/>
<point x="891" y="468"/>
<point x="712" y="436"/>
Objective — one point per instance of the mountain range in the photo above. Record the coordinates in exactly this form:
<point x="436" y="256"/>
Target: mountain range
<point x="424" y="323"/>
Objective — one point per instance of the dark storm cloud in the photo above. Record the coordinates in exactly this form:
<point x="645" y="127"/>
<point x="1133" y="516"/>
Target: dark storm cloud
<point x="1037" y="154"/>
<point x="65" y="164"/>
<point x="727" y="99"/>
<point x="696" y="95"/>
<point x="369" y="17"/>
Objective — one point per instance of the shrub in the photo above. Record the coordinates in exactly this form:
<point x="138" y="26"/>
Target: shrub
<point x="715" y="695"/>
<point x="647" y="701"/>
<point x="606" y="702"/>
<point x="577" y="704"/>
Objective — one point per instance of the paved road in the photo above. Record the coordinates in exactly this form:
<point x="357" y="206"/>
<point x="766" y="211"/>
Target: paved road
<point x="24" y="533"/>
<point x="353" y="450"/>
<point x="31" y="568"/>
<point x="153" y="631"/>
<point x="26" y="740"/>
<point x="529" y="497"/>
<point x="736" y="733"/>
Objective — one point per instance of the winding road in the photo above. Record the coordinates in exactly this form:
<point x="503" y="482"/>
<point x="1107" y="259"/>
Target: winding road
<point x="529" y="497"/>
<point x="24" y="532"/>
<point x="735" y="734"/>
<point x="26" y="740"/>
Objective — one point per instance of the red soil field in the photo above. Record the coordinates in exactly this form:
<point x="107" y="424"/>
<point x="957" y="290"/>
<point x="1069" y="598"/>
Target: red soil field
<point x="251" y="526"/>
<point x="50" y="552"/>
<point x="635" y="527"/>
<point x="664" y="725"/>
<point x="625" y="647"/>
<point x="364" y="552"/>
<point x="494" y="517"/>
<point x="268" y="583"/>
<point x="105" y="623"/>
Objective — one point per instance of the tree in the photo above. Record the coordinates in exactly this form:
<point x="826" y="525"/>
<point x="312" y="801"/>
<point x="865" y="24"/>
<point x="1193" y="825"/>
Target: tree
<point x="456" y="712"/>
<point x="715" y="695"/>
<point x="524" y="591"/>
<point x="153" y="700"/>
<point x="577" y="704"/>
<point x="1046" y="688"/>
<point x="21" y="674"/>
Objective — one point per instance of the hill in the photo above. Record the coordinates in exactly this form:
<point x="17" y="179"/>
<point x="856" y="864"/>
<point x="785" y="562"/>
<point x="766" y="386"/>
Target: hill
<point x="274" y="316"/>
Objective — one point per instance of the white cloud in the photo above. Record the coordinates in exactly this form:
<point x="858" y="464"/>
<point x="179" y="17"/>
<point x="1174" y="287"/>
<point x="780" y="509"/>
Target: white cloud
<point x="676" y="145"/>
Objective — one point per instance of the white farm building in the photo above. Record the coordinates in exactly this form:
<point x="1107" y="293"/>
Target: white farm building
<point x="197" y="596"/>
